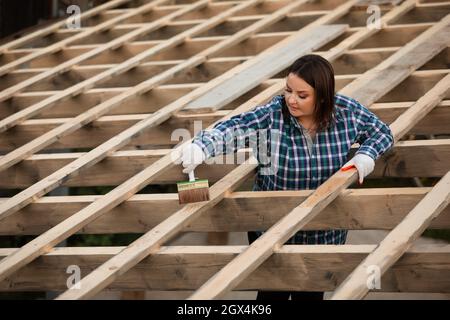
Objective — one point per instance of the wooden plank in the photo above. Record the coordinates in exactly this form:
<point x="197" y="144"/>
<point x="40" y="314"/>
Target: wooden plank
<point x="407" y="159"/>
<point x="274" y="62"/>
<point x="122" y="67"/>
<point x="151" y="241"/>
<point x="435" y="122"/>
<point x="260" y="250"/>
<point x="153" y="100"/>
<point x="82" y="35"/>
<point x="368" y="90"/>
<point x="405" y="6"/>
<point x="137" y="180"/>
<point x="118" y="141"/>
<point x="305" y="268"/>
<point x="348" y="65"/>
<point x="56" y="26"/>
<point x="358" y="37"/>
<point x="397" y="242"/>
<point x="99" y="279"/>
<point x="417" y="112"/>
<point x="392" y="36"/>
<point x="94" y="113"/>
<point x="382" y="4"/>
<point x="408" y="91"/>
<point x="409" y="58"/>
<point x="43" y="243"/>
<point x="241" y="211"/>
<point x="145" y="245"/>
<point x="147" y="174"/>
<point x="111" y="45"/>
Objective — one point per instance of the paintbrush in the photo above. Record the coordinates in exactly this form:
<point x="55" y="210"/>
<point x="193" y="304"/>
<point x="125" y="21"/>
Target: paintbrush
<point x="193" y="190"/>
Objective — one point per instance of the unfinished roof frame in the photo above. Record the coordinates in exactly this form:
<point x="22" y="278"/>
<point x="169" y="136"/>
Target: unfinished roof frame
<point x="58" y="124"/>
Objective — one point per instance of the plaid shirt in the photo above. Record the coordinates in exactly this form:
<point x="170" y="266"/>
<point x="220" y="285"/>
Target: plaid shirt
<point x="287" y="163"/>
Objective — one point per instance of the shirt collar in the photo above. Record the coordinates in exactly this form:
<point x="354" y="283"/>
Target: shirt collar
<point x="295" y="122"/>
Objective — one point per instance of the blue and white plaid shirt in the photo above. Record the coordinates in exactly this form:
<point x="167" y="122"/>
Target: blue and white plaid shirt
<point x="295" y="163"/>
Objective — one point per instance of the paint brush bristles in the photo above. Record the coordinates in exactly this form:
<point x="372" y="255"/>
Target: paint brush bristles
<point x="193" y="190"/>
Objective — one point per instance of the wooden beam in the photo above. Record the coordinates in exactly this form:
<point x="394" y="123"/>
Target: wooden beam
<point x="278" y="58"/>
<point x="391" y="36"/>
<point x="408" y="59"/>
<point x="158" y="12"/>
<point x="84" y="34"/>
<point x="409" y="90"/>
<point x="367" y="89"/>
<point x="394" y="36"/>
<point x="435" y="122"/>
<point x="414" y="114"/>
<point x="56" y="26"/>
<point x="142" y="247"/>
<point x="99" y="110"/>
<point x="151" y="241"/>
<point x="241" y="211"/>
<point x="291" y="268"/>
<point x="111" y="45"/>
<point x="433" y="12"/>
<point x="116" y="142"/>
<point x="397" y="242"/>
<point x="415" y="86"/>
<point x="120" y="68"/>
<point x="399" y="162"/>
<point x="39" y="245"/>
<point x="145" y="103"/>
<point x="95" y="285"/>
<point x="412" y="88"/>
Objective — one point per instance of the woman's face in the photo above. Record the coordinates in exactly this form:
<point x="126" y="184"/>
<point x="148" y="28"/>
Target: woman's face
<point x="300" y="97"/>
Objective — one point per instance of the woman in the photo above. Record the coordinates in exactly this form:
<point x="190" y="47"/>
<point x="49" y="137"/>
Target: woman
<point x="315" y="130"/>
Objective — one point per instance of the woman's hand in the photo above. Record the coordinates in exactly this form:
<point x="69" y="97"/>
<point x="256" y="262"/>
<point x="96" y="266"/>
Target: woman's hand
<point x="363" y="163"/>
<point x="191" y="156"/>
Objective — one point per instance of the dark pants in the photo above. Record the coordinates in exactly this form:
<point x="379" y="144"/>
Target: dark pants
<point x="284" y="295"/>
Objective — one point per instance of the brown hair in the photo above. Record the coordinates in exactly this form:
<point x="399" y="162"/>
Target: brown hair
<point x="319" y="74"/>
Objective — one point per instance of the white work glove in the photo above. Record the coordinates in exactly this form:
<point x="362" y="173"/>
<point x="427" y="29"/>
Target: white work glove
<point x="363" y="163"/>
<point x="191" y="156"/>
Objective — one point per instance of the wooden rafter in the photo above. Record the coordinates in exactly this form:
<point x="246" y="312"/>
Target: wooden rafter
<point x="397" y="67"/>
<point x="305" y="267"/>
<point x="240" y="211"/>
<point x="397" y="242"/>
<point x="56" y="26"/>
<point x="112" y="45"/>
<point x="396" y="164"/>
<point x="79" y="36"/>
<point x="88" y="214"/>
<point x="104" y="107"/>
<point x="120" y="140"/>
<point x="173" y="109"/>
<point x="94" y="285"/>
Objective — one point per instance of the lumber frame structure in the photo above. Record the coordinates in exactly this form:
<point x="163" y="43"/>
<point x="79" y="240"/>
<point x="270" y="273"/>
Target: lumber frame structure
<point x="138" y="70"/>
